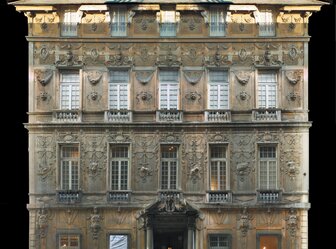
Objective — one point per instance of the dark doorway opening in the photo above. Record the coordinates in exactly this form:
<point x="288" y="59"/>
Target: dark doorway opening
<point x="169" y="240"/>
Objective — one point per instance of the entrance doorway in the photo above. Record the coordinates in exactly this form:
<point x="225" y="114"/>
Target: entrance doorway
<point x="169" y="240"/>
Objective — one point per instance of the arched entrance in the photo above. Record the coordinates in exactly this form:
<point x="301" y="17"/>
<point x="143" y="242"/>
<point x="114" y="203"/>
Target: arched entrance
<point x="170" y="223"/>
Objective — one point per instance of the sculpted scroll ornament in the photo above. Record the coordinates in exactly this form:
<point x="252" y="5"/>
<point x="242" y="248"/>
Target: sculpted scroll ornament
<point x="144" y="20"/>
<point x="118" y="137"/>
<point x="192" y="21"/>
<point x="290" y="153"/>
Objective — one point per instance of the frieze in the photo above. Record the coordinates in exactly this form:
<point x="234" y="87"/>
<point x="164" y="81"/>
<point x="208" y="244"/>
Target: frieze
<point x="145" y="55"/>
<point x="268" y="218"/>
<point x="172" y="137"/>
<point x="243" y="55"/>
<point x="268" y="58"/>
<point x="217" y="137"/>
<point x="46" y="155"/>
<point x="68" y="137"/>
<point x="293" y="54"/>
<point x="93" y="55"/>
<point x="45" y="53"/>
<point x="118" y="137"/>
<point x="242" y="20"/>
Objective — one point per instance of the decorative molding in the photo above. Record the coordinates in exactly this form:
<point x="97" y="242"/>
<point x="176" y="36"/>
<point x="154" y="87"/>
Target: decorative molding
<point x="44" y="96"/>
<point x="43" y="76"/>
<point x="191" y="21"/>
<point x="170" y="203"/>
<point x="144" y="76"/>
<point x="95" y="154"/>
<point x="243" y="96"/>
<point x="46" y="156"/>
<point x="290" y="155"/>
<point x="291" y="170"/>
<point x="144" y="20"/>
<point x="118" y="137"/>
<point x="146" y="97"/>
<point x="42" y="222"/>
<point x="243" y="77"/>
<point x="292" y="223"/>
<point x="293" y="96"/>
<point x="94" y="77"/>
<point x="218" y="59"/>
<point x="119" y="59"/>
<point x="244" y="222"/>
<point x="268" y="59"/>
<point x="217" y="137"/>
<point x="69" y="59"/>
<point x="294" y="77"/>
<point x="193" y="76"/>
<point x="171" y="138"/>
<point x="95" y="223"/>
<point x="168" y="59"/>
<point x="193" y="96"/>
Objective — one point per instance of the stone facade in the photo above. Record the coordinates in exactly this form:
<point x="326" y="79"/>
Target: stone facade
<point x="170" y="194"/>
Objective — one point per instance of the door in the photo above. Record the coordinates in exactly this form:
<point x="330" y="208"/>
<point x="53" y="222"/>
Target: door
<point x="169" y="240"/>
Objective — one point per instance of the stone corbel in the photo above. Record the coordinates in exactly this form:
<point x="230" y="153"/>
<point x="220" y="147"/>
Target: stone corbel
<point x="94" y="77"/>
<point x="144" y="76"/>
<point x="43" y="76"/>
<point x="193" y="76"/>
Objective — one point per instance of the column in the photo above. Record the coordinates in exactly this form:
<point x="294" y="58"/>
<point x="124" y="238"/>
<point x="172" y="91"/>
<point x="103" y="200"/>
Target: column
<point x="149" y="234"/>
<point x="191" y="237"/>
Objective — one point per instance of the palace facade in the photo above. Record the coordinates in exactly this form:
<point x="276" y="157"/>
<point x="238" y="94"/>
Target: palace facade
<point x="168" y="125"/>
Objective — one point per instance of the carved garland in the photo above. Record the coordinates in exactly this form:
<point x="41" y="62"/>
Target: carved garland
<point x="193" y="76"/>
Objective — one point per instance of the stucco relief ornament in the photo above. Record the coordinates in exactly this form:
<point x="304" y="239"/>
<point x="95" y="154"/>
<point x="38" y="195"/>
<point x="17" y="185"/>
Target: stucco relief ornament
<point x="46" y="156"/>
<point x="268" y="59"/>
<point x="119" y="59"/>
<point x="145" y="97"/>
<point x="144" y="20"/>
<point x="291" y="170"/>
<point x="243" y="96"/>
<point x="294" y="77"/>
<point x="217" y="59"/>
<point x="193" y="76"/>
<point x="43" y="77"/>
<point x="168" y="59"/>
<point x="292" y="223"/>
<point x="191" y="21"/>
<point x="95" y="223"/>
<point x="243" y="77"/>
<point x="144" y="76"/>
<point x="145" y="152"/>
<point x="69" y="59"/>
<point x="293" y="96"/>
<point x="194" y="158"/>
<point x="244" y="222"/>
<point x="42" y="223"/>
<point x="243" y="169"/>
<point x="94" y="77"/>
<point x="193" y="96"/>
<point x="171" y="203"/>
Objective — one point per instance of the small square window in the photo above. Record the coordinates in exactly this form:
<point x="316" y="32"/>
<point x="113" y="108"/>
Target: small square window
<point x="118" y="241"/>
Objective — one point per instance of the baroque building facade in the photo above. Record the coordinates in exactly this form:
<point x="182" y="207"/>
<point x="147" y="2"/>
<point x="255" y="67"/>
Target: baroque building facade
<point x="158" y="125"/>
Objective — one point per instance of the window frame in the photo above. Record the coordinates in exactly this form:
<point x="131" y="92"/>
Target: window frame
<point x="128" y="235"/>
<point x="61" y="175"/>
<point x="170" y="87"/>
<point x="227" y="168"/>
<point x="276" y="160"/>
<point x="59" y="234"/>
<point x="223" y="85"/>
<point x="227" y="235"/>
<point x="266" y="23"/>
<point x="162" y="22"/>
<point x="119" y="84"/>
<point x="169" y="166"/>
<point x="267" y="233"/>
<point x="70" y="24"/>
<point x="274" y="72"/>
<point x="118" y="9"/>
<point x="71" y="84"/>
<point x="222" y="13"/>
<point x="109" y="175"/>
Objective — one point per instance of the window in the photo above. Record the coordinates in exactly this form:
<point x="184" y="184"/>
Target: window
<point x="267" y="89"/>
<point x="70" y="167"/>
<point x="69" y="91"/>
<point x="217" y="22"/>
<point x="267" y="167"/>
<point x="219" y="241"/>
<point x="168" y="89"/>
<point x="68" y="241"/>
<point x="266" y="24"/>
<point x="118" y="90"/>
<point x="118" y="241"/>
<point x="169" y="167"/>
<point x="218" y="90"/>
<point x="119" y="22"/>
<point x="119" y="167"/>
<point x="70" y="22"/>
<point x="168" y="23"/>
<point x="268" y="241"/>
<point x="218" y="169"/>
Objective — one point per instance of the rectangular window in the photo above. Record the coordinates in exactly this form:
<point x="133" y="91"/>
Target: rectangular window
<point x="267" y="167"/>
<point x="267" y="89"/>
<point x="217" y="22"/>
<point x="219" y="241"/>
<point x="218" y="170"/>
<point x="169" y="88"/>
<point x="68" y="241"/>
<point x="119" y="22"/>
<point x="268" y="241"/>
<point x="118" y="90"/>
<point x="168" y="23"/>
<point x="118" y="241"/>
<point x="218" y="90"/>
<point x="266" y="24"/>
<point x="69" y="91"/>
<point x="119" y="167"/>
<point x="70" y="23"/>
<point x="169" y="166"/>
<point x="70" y="167"/>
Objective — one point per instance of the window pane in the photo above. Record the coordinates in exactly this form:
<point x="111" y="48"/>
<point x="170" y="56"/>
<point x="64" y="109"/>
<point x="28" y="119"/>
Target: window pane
<point x="267" y="167"/>
<point x="266" y="24"/>
<point x="218" y="167"/>
<point x="268" y="242"/>
<point x="119" y="167"/>
<point x="119" y="23"/>
<point x="68" y="241"/>
<point x="118" y="90"/>
<point x="218" y="90"/>
<point x="70" y="22"/>
<point x="217" y="22"/>
<point x="267" y="89"/>
<point x="118" y="242"/>
<point x="69" y="89"/>
<point x="219" y="242"/>
<point x="169" y="166"/>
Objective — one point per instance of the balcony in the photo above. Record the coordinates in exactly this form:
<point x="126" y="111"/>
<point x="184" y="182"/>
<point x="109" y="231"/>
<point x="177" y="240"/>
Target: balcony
<point x="68" y="196"/>
<point x="171" y="115"/>
<point x="67" y="116"/>
<point x="219" y="197"/>
<point x="218" y="116"/>
<point x="269" y="196"/>
<point x="118" y="196"/>
<point x="118" y="116"/>
<point x="266" y="115"/>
